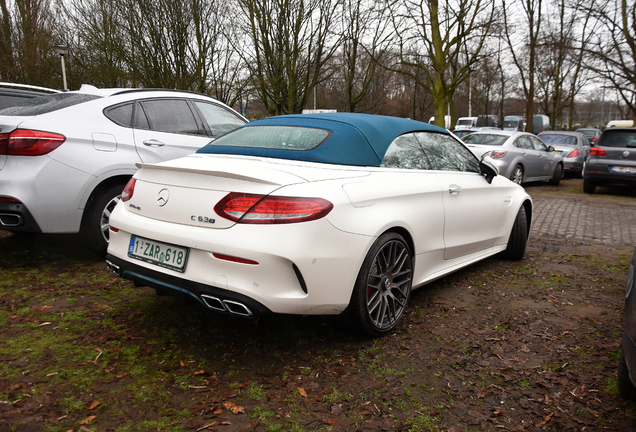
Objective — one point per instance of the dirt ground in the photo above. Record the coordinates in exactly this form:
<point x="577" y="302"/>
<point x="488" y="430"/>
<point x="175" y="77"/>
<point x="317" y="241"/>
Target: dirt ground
<point x="530" y="345"/>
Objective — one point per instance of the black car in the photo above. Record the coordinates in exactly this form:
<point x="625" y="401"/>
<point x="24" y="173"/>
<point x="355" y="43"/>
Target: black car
<point x="612" y="161"/>
<point x="627" y="363"/>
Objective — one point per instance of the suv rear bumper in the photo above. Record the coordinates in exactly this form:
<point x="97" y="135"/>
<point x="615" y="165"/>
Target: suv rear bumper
<point x="16" y="217"/>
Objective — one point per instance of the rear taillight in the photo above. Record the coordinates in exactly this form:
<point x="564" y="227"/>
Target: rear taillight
<point x="129" y="190"/>
<point x="495" y="154"/>
<point x="24" y="142"/>
<point x="574" y="153"/>
<point x="4" y="142"/>
<point x="263" y="209"/>
<point x="9" y="200"/>
<point x="595" y="151"/>
<point x="595" y="139"/>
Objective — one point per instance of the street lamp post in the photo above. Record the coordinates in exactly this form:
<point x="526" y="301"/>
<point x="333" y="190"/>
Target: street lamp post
<point x="62" y="50"/>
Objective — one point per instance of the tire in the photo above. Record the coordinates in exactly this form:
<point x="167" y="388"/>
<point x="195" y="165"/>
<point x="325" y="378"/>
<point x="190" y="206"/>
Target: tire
<point x="383" y="286"/>
<point x="557" y="175"/>
<point x="625" y="386"/>
<point x="580" y="174"/>
<point x="517" y="175"/>
<point x="95" y="223"/>
<point x="588" y="186"/>
<point x="518" y="238"/>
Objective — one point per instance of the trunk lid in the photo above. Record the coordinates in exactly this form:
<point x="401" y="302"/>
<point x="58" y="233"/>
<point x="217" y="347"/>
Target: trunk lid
<point x="185" y="190"/>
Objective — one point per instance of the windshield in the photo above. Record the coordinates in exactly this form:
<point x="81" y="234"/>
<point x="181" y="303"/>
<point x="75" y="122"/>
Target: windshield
<point x="464" y="122"/>
<point x="46" y="104"/>
<point x="559" y="139"/>
<point x="274" y="137"/>
<point x="485" y="139"/>
<point x="511" y="123"/>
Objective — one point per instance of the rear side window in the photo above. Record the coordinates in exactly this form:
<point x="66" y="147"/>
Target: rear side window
<point x="170" y="115"/>
<point x="406" y="153"/>
<point x="429" y="151"/>
<point x="618" y="138"/>
<point x="121" y="114"/>
<point x="219" y="120"/>
<point x="47" y="103"/>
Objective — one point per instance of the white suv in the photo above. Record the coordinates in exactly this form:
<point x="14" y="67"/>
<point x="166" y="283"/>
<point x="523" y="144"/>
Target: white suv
<point x="65" y="158"/>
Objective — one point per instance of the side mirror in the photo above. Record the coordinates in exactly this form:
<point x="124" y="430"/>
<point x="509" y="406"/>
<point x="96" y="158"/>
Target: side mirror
<point x="550" y="148"/>
<point x="488" y="169"/>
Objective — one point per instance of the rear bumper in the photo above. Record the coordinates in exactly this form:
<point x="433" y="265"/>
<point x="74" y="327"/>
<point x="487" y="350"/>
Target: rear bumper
<point x="214" y="298"/>
<point x="16" y="217"/>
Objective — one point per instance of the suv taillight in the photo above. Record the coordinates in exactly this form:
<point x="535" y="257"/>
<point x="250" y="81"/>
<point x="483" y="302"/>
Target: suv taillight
<point x="595" y="151"/>
<point x="25" y="142"/>
<point x="263" y="209"/>
<point x="4" y="142"/>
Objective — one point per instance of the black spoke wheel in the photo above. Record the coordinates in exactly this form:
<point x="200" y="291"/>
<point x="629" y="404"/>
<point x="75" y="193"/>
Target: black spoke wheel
<point x="383" y="286"/>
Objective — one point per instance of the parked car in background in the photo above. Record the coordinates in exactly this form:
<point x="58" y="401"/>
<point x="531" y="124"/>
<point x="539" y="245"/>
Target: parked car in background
<point x="312" y="214"/>
<point x="12" y="94"/>
<point x="66" y="157"/>
<point x="573" y="146"/>
<point x="620" y="123"/>
<point x="465" y="123"/>
<point x="592" y="134"/>
<point x="540" y="123"/>
<point x="627" y="362"/>
<point x="519" y="156"/>
<point x="514" y="123"/>
<point x="489" y="120"/>
<point x="612" y="160"/>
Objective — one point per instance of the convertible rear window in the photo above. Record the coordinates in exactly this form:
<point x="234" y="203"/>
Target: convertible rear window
<point x="274" y="137"/>
<point x="559" y="139"/>
<point x="46" y="104"/>
<point x="485" y="139"/>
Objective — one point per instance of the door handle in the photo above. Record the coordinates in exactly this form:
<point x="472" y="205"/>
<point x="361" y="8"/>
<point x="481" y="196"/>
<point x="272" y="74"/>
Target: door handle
<point x="153" y="143"/>
<point x="454" y="189"/>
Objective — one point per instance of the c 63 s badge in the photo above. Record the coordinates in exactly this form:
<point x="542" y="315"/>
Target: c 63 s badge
<point x="202" y="219"/>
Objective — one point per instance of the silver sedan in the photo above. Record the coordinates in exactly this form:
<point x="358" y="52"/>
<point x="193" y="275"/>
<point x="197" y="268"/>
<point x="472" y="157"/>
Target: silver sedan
<point x="573" y="146"/>
<point x="520" y="156"/>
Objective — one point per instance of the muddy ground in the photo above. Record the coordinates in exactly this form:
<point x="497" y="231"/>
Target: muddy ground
<point x="530" y="345"/>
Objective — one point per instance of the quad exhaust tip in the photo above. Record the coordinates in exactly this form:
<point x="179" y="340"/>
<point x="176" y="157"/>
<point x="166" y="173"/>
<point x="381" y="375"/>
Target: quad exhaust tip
<point x="231" y="306"/>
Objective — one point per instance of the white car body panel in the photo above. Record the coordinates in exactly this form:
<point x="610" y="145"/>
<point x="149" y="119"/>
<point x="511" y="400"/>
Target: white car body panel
<point x="56" y="187"/>
<point x="328" y="252"/>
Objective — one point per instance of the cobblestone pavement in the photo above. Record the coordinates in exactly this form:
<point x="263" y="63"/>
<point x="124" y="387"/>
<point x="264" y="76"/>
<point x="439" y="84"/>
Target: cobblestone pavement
<point x="585" y="220"/>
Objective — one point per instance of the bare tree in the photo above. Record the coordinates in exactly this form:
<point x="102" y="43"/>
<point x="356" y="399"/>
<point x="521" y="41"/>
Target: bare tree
<point x="523" y="45"/>
<point x="290" y="46"/>
<point x="615" y="48"/>
<point x="433" y="37"/>
<point x="26" y="39"/>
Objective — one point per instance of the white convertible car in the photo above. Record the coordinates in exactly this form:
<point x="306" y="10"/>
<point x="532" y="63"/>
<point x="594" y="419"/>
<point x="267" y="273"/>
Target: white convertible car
<point x="316" y="214"/>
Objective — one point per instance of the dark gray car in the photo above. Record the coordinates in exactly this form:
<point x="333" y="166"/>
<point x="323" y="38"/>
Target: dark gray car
<point x="573" y="146"/>
<point x="612" y="161"/>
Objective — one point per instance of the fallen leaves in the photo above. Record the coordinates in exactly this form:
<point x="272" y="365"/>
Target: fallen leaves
<point x="234" y="408"/>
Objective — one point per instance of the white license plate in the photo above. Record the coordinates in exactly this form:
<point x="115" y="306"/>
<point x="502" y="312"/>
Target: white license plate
<point x="621" y="169"/>
<point x="158" y="253"/>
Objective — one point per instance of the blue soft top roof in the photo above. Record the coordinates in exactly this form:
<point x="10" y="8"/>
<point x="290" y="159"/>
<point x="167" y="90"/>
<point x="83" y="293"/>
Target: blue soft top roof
<point x="356" y="139"/>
